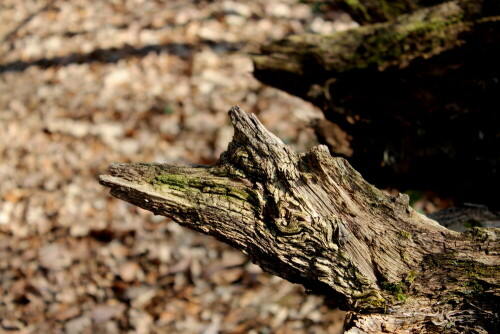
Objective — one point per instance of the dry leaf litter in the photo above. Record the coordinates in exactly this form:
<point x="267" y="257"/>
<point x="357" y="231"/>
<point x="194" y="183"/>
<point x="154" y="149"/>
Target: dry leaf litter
<point x="85" y="83"/>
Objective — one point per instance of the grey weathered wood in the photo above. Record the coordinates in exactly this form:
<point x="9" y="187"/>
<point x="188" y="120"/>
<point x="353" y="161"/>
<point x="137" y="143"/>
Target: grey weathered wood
<point x="312" y="219"/>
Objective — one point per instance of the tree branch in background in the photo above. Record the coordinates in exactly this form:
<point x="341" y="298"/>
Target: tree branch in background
<point x="417" y="95"/>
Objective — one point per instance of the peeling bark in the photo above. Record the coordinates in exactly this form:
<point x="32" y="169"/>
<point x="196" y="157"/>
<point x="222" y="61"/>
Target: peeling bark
<point x="312" y="219"/>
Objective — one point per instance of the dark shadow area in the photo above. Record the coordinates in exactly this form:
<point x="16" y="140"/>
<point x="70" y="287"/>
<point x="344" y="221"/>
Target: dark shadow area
<point x="113" y="55"/>
<point x="430" y="126"/>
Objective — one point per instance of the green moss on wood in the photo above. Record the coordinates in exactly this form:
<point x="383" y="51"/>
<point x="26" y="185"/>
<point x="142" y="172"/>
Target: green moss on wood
<point x="370" y="301"/>
<point x="465" y="268"/>
<point x="426" y="32"/>
<point x="357" y="7"/>
<point x="410" y="277"/>
<point x="396" y="289"/>
<point x="210" y="186"/>
<point x="472" y="288"/>
<point x="404" y="41"/>
<point x="405" y="234"/>
<point x="178" y="182"/>
<point x="400" y="290"/>
<point x="470" y="278"/>
<point x="371" y="11"/>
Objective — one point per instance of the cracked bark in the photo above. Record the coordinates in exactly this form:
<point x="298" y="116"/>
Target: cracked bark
<point x="312" y="219"/>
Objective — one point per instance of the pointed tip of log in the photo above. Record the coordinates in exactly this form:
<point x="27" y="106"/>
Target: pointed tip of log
<point x="131" y="175"/>
<point x="248" y="127"/>
<point x="135" y="172"/>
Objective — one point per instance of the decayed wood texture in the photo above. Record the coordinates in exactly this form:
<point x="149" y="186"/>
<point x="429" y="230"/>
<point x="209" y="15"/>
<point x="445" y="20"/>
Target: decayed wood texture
<point x="416" y="96"/>
<point x="312" y="219"/>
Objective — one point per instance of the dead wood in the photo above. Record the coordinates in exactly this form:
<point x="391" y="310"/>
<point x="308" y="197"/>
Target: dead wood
<point x="372" y="11"/>
<point x="416" y="96"/>
<point x="312" y="219"/>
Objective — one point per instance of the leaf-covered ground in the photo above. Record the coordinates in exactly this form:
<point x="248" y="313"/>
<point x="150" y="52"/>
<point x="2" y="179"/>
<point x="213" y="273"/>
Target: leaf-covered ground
<point x="84" y="83"/>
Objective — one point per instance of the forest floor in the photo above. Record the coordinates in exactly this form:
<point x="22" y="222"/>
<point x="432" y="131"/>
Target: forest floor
<point x="84" y="83"/>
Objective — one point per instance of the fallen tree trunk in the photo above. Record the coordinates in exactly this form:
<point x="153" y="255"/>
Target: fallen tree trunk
<point x="372" y="11"/>
<point x="312" y="219"/>
<point x="416" y="97"/>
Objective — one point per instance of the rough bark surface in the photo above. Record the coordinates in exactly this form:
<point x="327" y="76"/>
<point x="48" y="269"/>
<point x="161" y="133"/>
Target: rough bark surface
<point x="312" y="219"/>
<point x="416" y="96"/>
<point x="372" y="11"/>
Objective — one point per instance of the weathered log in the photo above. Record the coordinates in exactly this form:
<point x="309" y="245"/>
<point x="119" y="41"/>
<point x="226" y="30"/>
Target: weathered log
<point x="417" y="96"/>
<point x="372" y="11"/>
<point x="312" y="219"/>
